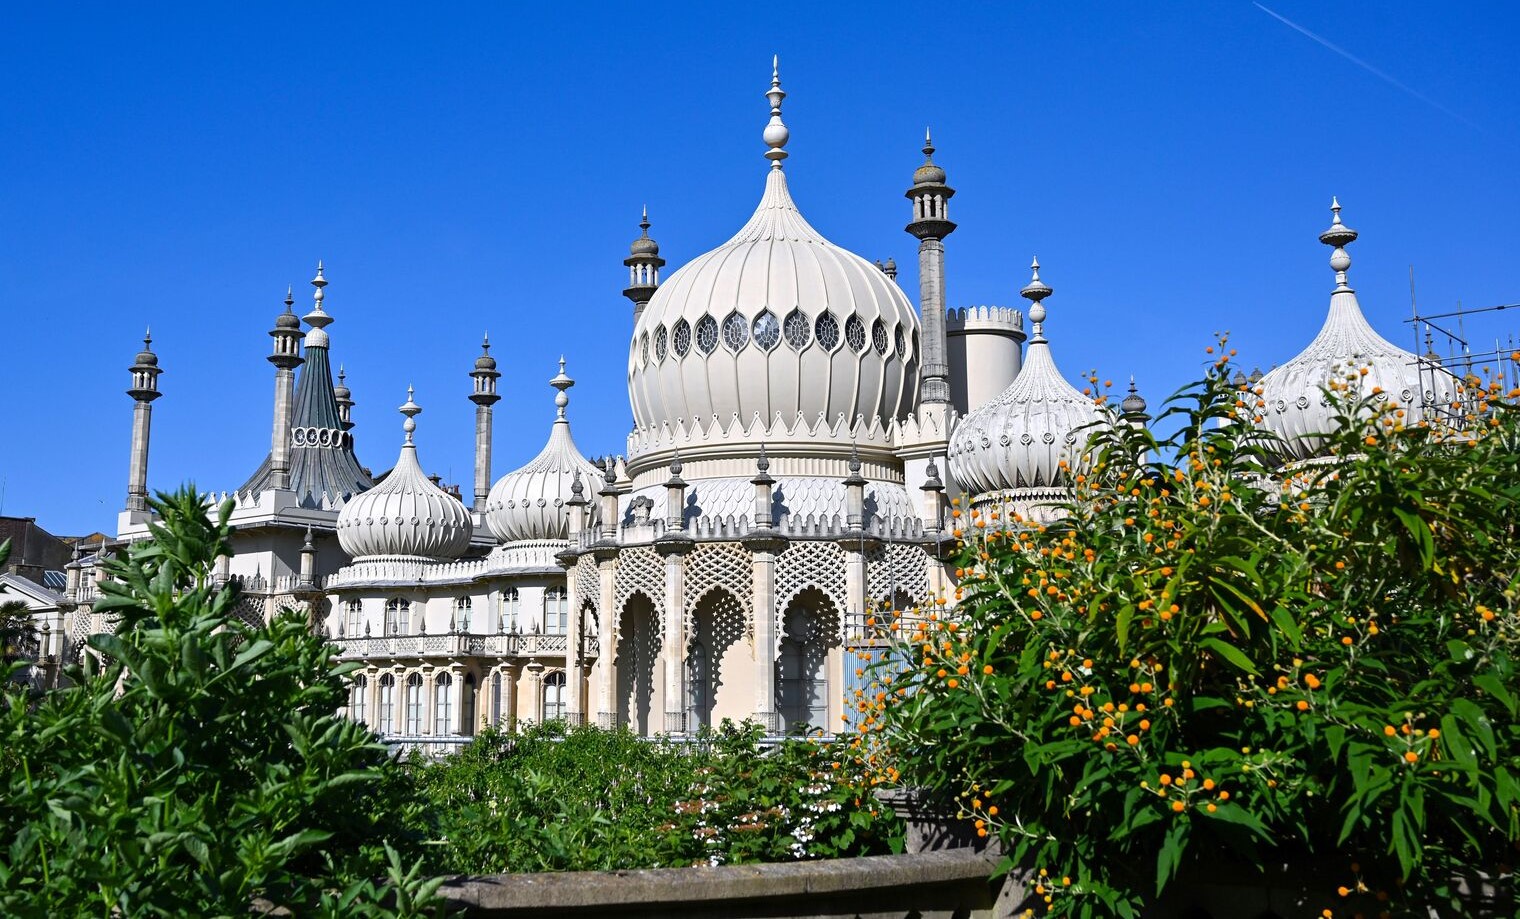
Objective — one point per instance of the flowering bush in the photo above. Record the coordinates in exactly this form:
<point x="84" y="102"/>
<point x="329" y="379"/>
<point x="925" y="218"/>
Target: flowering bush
<point x="552" y="799"/>
<point x="1212" y="661"/>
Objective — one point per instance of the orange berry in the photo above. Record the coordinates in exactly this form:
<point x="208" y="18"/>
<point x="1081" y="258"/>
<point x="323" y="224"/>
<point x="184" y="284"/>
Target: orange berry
<point x="1412" y="757"/>
<point x="1302" y="705"/>
<point x="987" y="669"/>
<point x="1132" y="740"/>
<point x="1179" y="806"/>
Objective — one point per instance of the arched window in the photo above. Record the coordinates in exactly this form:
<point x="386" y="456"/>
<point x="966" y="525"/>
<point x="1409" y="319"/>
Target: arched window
<point x="353" y="619"/>
<point x="413" y="705"/>
<point x="462" y="614"/>
<point x="698" y="711"/>
<point x="556" y="611"/>
<point x="554" y="695"/>
<point x="511" y="604"/>
<point x="357" y="694"/>
<point x="398" y="616"/>
<point x="496" y="698"/>
<point x="467" y="706"/>
<point x="387" y="704"/>
<point x="443" y="703"/>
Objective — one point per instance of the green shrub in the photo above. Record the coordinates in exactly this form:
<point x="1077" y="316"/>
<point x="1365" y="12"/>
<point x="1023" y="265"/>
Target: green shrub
<point x="195" y="765"/>
<point x="1208" y="665"/>
<point x="552" y="799"/>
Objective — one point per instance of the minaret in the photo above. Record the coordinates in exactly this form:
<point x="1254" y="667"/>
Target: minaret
<point x="931" y="224"/>
<point x="485" y="376"/>
<point x="285" y="357"/>
<point x="144" y="390"/>
<point x="345" y="399"/>
<point x="644" y="264"/>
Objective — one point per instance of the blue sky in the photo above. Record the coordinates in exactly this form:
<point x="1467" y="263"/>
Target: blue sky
<point x="483" y="168"/>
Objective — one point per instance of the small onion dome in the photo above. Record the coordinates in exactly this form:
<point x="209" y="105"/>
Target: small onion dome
<point x="406" y="514"/>
<point x="146" y="357"/>
<point x="644" y="245"/>
<point x="929" y="173"/>
<point x="1134" y="403"/>
<point x="1346" y="349"/>
<point x="529" y="503"/>
<point x="1019" y="439"/>
<point x="341" y="391"/>
<point x="485" y="361"/>
<point x="288" y="319"/>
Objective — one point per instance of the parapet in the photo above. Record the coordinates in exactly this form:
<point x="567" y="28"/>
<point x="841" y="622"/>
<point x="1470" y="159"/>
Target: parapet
<point x="993" y="320"/>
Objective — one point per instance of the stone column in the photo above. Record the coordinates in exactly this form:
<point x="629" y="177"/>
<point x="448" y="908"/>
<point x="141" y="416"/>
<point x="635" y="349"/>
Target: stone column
<point x="456" y="710"/>
<point x="509" y="695"/>
<point x="429" y="698"/>
<point x="764" y="547"/>
<point x="372" y="704"/>
<point x="575" y="657"/>
<point x="606" y="715"/>
<point x="535" y="672"/>
<point x="673" y="547"/>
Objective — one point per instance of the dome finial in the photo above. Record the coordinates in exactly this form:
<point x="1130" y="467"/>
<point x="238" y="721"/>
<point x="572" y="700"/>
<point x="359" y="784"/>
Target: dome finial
<point x="411" y="410"/>
<point x="1035" y="291"/>
<point x="561" y="383"/>
<point x="290" y="298"/>
<point x="318" y="319"/>
<point x="1340" y="236"/>
<point x="776" y="135"/>
<point x="928" y="147"/>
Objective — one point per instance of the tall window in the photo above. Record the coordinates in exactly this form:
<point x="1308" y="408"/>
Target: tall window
<point x="413" y="704"/>
<point x="462" y="614"/>
<point x="398" y="616"/>
<point x="387" y="704"/>
<point x="554" y="695"/>
<point x="496" y="698"/>
<point x="556" y="611"/>
<point x="443" y="703"/>
<point x="357" y="695"/>
<point x="511" y="604"/>
<point x="802" y="685"/>
<point x="698" y="713"/>
<point x="353" y="614"/>
<point x="467" y="706"/>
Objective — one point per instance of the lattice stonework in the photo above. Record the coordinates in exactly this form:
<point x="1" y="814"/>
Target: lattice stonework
<point x="724" y="565"/>
<point x="588" y="583"/>
<point x="897" y="569"/>
<point x="810" y="564"/>
<point x="641" y="570"/>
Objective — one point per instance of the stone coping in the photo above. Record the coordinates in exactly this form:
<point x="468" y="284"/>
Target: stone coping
<point x="947" y="883"/>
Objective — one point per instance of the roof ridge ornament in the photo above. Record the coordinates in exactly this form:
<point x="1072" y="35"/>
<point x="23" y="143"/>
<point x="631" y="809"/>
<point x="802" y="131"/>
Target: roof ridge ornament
<point x="776" y="134"/>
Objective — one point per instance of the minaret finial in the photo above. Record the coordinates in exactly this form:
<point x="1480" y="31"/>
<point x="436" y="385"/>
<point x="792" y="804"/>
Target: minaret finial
<point x="148" y="337"/>
<point x="1035" y="291"/>
<point x="411" y="410"/>
<point x="1340" y="236"/>
<point x="928" y="147"/>
<point x="776" y="135"/>
<point x="290" y="298"/>
<point x="561" y="383"/>
<point x="644" y="220"/>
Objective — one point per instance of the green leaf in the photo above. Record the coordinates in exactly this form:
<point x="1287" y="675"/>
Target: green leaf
<point x="1230" y="653"/>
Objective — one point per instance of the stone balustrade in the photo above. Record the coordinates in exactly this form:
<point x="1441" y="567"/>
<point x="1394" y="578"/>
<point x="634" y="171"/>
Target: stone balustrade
<point x="458" y="644"/>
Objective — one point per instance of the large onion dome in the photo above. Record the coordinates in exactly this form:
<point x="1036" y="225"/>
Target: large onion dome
<point x="406" y="514"/>
<point x="1018" y="440"/>
<point x="529" y="503"/>
<point x="776" y="321"/>
<point x="1296" y="409"/>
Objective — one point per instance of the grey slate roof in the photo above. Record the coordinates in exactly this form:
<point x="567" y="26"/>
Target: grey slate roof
<point x="316" y="470"/>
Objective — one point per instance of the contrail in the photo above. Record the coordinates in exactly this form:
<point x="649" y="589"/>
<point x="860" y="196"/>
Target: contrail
<point x="1363" y="64"/>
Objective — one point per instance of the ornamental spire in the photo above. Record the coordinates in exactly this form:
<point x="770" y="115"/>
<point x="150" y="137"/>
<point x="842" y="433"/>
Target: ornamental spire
<point x="1035" y="291"/>
<point x="1340" y="236"/>
<point x="411" y="410"/>
<point x="318" y="319"/>
<point x="561" y="382"/>
<point x="776" y="135"/>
